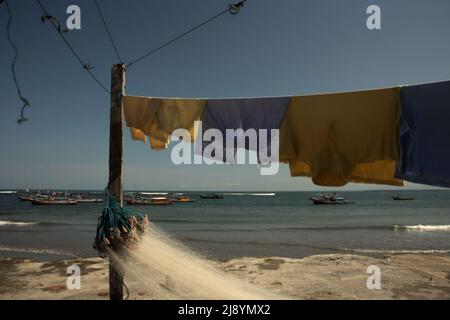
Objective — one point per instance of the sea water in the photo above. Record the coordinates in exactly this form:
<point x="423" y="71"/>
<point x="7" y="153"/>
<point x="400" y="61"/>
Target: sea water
<point x="244" y="224"/>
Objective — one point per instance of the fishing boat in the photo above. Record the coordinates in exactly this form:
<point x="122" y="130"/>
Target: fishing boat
<point x="26" y="198"/>
<point x="155" y="201"/>
<point x="399" y="198"/>
<point x="53" y="201"/>
<point x="329" y="199"/>
<point x="181" y="199"/>
<point x="211" y="196"/>
<point x="32" y="196"/>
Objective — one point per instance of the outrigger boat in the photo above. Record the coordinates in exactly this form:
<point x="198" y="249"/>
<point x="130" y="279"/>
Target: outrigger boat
<point x="156" y="201"/>
<point x="26" y="198"/>
<point x="57" y="198"/>
<point x="30" y="197"/>
<point x="181" y="199"/>
<point x="329" y="199"/>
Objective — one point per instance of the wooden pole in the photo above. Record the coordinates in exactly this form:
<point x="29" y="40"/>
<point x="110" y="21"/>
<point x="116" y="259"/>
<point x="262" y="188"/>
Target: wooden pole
<point x="115" y="184"/>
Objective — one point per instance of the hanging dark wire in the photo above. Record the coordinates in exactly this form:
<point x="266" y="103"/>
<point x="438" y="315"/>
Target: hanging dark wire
<point x="232" y="9"/>
<point x="13" y="64"/>
<point x="86" y="66"/>
<point x="107" y="31"/>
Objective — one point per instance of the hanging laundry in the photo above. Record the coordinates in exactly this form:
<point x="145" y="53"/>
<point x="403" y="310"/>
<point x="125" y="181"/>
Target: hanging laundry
<point x="250" y="113"/>
<point x="424" y="134"/>
<point x="341" y="138"/>
<point x="158" y="118"/>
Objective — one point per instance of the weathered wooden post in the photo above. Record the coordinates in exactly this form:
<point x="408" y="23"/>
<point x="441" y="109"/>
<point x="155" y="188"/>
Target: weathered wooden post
<point x="115" y="184"/>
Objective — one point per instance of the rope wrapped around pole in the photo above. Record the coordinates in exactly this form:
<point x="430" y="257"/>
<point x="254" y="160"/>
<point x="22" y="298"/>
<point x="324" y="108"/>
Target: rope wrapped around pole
<point x="118" y="227"/>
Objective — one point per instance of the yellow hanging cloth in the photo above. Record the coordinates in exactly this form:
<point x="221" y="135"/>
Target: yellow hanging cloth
<point x="158" y="118"/>
<point x="341" y="138"/>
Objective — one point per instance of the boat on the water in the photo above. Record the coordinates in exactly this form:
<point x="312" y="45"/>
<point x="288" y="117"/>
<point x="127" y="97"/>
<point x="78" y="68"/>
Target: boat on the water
<point x="181" y="199"/>
<point x="53" y="201"/>
<point x="407" y="198"/>
<point x="329" y="199"/>
<point x="211" y="196"/>
<point x="33" y="196"/>
<point x="25" y="198"/>
<point x="155" y="201"/>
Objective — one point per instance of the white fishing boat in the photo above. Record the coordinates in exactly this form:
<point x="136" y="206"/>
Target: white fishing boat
<point x="329" y="199"/>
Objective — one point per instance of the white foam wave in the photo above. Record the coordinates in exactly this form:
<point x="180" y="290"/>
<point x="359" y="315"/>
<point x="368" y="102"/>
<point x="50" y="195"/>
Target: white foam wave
<point x="422" y="228"/>
<point x="406" y="251"/>
<point x="16" y="223"/>
<point x="37" y="251"/>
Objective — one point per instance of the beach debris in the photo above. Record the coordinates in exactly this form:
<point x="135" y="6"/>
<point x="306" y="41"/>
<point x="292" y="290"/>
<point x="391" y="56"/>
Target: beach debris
<point x="118" y="227"/>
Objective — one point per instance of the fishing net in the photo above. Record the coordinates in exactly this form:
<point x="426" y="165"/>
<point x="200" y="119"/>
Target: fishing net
<point x="118" y="227"/>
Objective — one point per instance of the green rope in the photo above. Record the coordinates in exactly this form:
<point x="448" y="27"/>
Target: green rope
<point x="117" y="226"/>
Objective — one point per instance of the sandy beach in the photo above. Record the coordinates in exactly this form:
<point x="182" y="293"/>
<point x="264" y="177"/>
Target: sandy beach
<point x="336" y="276"/>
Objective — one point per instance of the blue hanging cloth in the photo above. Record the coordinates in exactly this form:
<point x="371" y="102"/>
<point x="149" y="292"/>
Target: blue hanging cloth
<point x="251" y="113"/>
<point x="424" y="134"/>
<point x="118" y="226"/>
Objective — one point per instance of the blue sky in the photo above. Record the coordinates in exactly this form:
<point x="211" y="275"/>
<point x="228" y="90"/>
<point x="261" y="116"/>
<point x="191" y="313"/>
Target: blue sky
<point x="271" y="48"/>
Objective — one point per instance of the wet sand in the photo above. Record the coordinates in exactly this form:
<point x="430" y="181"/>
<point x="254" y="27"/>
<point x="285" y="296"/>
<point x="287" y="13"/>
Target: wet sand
<point x="336" y="276"/>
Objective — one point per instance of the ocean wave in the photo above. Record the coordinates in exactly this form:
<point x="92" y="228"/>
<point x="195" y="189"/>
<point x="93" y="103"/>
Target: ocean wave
<point x="330" y="228"/>
<point x="16" y="223"/>
<point x="37" y="251"/>
<point x="422" y="228"/>
<point x="419" y="228"/>
<point x="399" y="251"/>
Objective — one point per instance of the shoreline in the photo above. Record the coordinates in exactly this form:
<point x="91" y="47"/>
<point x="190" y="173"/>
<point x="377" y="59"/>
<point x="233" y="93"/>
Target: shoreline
<point x="325" y="276"/>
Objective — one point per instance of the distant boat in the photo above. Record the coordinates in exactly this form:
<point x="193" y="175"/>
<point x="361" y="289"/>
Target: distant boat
<point x="329" y="199"/>
<point x="403" y="198"/>
<point x="26" y="198"/>
<point x="211" y="196"/>
<point x="42" y="202"/>
<point x="7" y="192"/>
<point x="181" y="199"/>
<point x="156" y="201"/>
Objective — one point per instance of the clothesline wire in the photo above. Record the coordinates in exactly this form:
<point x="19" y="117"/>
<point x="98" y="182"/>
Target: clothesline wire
<point x="232" y="8"/>
<point x="108" y="31"/>
<point x="85" y="66"/>
<point x="25" y="102"/>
